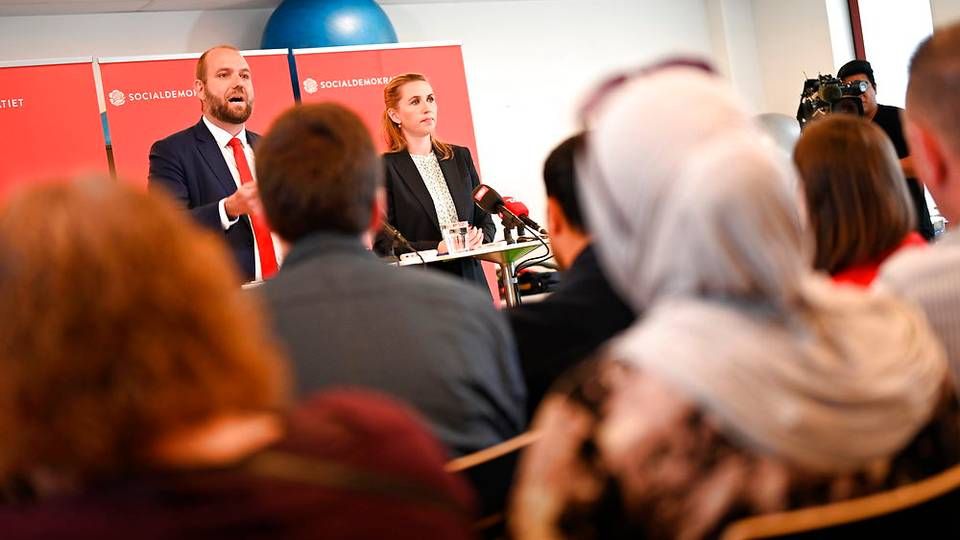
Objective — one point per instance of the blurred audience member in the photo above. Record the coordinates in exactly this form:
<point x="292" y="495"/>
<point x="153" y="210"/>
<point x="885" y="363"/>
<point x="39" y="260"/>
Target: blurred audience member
<point x="932" y="277"/>
<point x="347" y="318"/>
<point x="133" y="410"/>
<point x="855" y="196"/>
<point x="583" y="312"/>
<point x="751" y="384"/>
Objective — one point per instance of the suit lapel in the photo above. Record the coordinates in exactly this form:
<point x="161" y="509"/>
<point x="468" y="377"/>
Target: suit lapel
<point x="462" y="198"/>
<point x="410" y="176"/>
<point x="212" y="154"/>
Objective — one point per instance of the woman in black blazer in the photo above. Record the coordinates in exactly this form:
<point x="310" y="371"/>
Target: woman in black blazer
<point x="429" y="183"/>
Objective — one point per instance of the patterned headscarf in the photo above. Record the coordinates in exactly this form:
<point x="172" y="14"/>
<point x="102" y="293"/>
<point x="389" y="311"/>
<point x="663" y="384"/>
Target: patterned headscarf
<point x="694" y="220"/>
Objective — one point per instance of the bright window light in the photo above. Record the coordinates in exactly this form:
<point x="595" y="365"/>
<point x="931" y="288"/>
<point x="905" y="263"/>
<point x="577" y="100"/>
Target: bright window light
<point x="891" y="33"/>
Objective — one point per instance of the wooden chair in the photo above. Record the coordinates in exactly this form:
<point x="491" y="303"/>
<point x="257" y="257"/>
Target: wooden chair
<point x="926" y="509"/>
<point x="490" y="471"/>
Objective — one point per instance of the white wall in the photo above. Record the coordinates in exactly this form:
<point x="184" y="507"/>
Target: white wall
<point x="945" y="12"/>
<point x="890" y="52"/>
<point x="126" y="34"/>
<point x="734" y="39"/>
<point x="528" y="62"/>
<point x="793" y="39"/>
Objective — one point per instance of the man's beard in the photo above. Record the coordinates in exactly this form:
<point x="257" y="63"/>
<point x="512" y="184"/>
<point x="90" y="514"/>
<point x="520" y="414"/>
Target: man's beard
<point x="221" y="110"/>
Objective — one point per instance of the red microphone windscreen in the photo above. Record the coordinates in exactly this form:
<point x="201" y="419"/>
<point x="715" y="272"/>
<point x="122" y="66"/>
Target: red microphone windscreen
<point x="516" y="206"/>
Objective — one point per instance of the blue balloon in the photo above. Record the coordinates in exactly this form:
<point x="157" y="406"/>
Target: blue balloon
<point x="303" y="24"/>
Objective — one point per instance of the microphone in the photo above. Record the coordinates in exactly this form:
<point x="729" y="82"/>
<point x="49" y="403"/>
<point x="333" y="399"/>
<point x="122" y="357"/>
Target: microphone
<point x="520" y="210"/>
<point x="396" y="235"/>
<point x="488" y="199"/>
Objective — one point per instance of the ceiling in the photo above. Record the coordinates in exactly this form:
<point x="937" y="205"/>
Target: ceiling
<point x="66" y="7"/>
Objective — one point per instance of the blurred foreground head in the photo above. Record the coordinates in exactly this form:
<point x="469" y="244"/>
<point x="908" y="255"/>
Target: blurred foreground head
<point x="932" y="118"/>
<point x="671" y="121"/>
<point x="118" y="327"/>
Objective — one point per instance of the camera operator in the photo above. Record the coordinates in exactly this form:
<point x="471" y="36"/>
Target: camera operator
<point x="888" y="119"/>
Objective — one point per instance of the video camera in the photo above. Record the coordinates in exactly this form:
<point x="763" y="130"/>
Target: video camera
<point x="827" y="94"/>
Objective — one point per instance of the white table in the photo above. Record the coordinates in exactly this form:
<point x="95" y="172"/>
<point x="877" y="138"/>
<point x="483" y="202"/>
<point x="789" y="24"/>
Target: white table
<point x="507" y="256"/>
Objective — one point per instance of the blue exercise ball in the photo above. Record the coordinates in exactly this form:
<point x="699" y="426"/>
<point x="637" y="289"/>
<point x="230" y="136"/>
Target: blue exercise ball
<point x="303" y="24"/>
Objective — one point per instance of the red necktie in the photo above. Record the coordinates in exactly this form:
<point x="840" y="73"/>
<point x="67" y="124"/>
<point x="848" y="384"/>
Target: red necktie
<point x="261" y="232"/>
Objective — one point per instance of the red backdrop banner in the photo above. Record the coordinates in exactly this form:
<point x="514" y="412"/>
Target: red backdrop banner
<point x="355" y="77"/>
<point x="150" y="98"/>
<point x="50" y="122"/>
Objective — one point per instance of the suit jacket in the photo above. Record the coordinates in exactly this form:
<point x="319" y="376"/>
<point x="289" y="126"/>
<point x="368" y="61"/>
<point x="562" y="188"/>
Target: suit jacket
<point x="189" y="165"/>
<point x="347" y="319"/>
<point x="411" y="210"/>
<point x="560" y="331"/>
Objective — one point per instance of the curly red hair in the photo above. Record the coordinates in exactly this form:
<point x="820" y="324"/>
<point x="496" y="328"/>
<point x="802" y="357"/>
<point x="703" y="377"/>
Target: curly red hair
<point x="122" y="321"/>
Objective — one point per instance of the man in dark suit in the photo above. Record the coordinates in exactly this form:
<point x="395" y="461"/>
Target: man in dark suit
<point x="560" y="331"/>
<point x="346" y="318"/>
<point x="208" y="167"/>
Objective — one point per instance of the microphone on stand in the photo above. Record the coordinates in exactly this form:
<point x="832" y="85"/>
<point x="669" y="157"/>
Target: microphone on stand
<point x="488" y="199"/>
<point x="520" y="210"/>
<point x="398" y="237"/>
<point x="491" y="202"/>
<point x="513" y="212"/>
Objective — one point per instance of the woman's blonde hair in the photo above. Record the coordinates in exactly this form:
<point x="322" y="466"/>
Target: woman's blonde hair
<point x="392" y="132"/>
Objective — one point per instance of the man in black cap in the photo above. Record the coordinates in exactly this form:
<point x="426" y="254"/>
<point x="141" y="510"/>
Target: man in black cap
<point x="888" y="118"/>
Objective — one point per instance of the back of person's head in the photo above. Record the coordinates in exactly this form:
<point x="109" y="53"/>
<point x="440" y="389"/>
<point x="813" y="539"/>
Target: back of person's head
<point x="560" y="179"/>
<point x="641" y="134"/>
<point x="856" y="67"/>
<point x="122" y="321"/>
<point x="934" y="85"/>
<point x="856" y="196"/>
<point x="318" y="171"/>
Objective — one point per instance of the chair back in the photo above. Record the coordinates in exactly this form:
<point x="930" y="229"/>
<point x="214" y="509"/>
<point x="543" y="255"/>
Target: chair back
<point x="925" y="509"/>
<point x="490" y="471"/>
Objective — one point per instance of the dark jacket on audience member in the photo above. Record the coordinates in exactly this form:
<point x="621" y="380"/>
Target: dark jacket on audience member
<point x="348" y="319"/>
<point x="560" y="331"/>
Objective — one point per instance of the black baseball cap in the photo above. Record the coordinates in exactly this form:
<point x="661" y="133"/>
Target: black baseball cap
<point x="854" y="67"/>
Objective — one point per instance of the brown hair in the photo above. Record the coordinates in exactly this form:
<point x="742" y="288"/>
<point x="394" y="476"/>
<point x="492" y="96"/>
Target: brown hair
<point x="392" y="132"/>
<point x="856" y="195"/>
<point x="317" y="170"/>
<point x="934" y="83"/>
<point x="122" y="322"/>
<point x="202" y="61"/>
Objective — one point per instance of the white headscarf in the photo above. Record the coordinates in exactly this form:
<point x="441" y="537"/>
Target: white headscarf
<point x="827" y="377"/>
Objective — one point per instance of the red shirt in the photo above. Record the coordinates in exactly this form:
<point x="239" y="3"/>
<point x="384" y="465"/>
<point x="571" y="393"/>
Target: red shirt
<point x="864" y="274"/>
